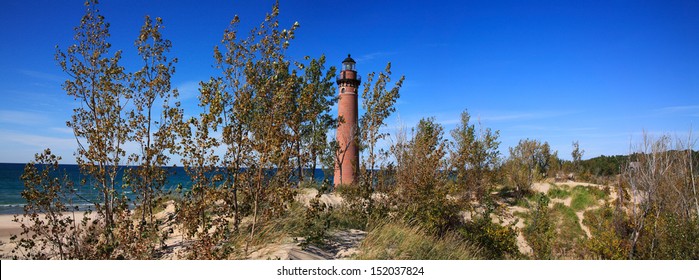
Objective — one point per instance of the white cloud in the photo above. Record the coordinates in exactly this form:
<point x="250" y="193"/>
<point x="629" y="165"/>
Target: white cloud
<point x="519" y="116"/>
<point x="38" y="141"/>
<point x="43" y="76"/>
<point x="371" y="56"/>
<point x="21" y="147"/>
<point x="693" y="110"/>
<point x="21" y="117"/>
<point x="63" y="130"/>
<point x="556" y="129"/>
<point x="188" y="90"/>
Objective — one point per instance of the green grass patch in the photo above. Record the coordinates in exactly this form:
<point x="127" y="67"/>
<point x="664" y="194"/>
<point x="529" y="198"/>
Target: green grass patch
<point x="569" y="234"/>
<point x="568" y="220"/>
<point x="581" y="201"/>
<point x="396" y="241"/>
<point x="584" y="197"/>
<point x="560" y="192"/>
<point x="594" y="191"/>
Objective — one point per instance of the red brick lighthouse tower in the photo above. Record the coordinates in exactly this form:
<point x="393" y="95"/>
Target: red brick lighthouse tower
<point x="347" y="160"/>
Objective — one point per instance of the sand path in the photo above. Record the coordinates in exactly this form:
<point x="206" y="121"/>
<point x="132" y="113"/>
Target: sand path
<point x="543" y="187"/>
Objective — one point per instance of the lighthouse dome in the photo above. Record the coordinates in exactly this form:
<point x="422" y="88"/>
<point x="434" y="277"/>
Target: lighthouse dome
<point x="348" y="63"/>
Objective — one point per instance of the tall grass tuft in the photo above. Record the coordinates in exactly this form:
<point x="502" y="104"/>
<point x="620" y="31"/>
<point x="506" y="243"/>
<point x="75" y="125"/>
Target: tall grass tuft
<point x="396" y="241"/>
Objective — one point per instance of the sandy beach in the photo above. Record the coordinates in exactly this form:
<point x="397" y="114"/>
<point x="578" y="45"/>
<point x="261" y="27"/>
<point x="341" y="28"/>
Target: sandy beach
<point x="8" y="228"/>
<point x="343" y="244"/>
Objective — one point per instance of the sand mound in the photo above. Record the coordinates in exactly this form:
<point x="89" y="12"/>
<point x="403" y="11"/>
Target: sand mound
<point x="331" y="199"/>
<point x="341" y="245"/>
<point x="542" y="187"/>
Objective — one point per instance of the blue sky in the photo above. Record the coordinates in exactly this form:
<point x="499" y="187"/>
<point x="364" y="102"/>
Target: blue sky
<point x="600" y="72"/>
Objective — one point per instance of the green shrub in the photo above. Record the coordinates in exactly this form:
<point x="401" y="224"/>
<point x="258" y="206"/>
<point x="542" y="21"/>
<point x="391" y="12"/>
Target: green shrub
<point x="317" y="220"/>
<point x="609" y="240"/>
<point x="678" y="239"/>
<point x="497" y="241"/>
<point x="355" y="210"/>
<point x="437" y="214"/>
<point x="540" y="229"/>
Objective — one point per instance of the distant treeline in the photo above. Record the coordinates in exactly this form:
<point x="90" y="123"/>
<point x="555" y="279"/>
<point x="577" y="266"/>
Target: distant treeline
<point x="614" y="165"/>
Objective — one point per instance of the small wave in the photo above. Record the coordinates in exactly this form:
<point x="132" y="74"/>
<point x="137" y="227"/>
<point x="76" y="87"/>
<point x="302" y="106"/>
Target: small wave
<point x="13" y="205"/>
<point x="18" y="208"/>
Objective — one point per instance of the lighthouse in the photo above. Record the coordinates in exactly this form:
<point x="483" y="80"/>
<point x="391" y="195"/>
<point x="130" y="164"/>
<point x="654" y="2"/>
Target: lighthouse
<point x="347" y="160"/>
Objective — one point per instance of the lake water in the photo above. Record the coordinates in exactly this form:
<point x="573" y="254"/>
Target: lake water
<point x="11" y="186"/>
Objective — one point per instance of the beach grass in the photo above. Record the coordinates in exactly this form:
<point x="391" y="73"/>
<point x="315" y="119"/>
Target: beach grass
<point x="396" y="241"/>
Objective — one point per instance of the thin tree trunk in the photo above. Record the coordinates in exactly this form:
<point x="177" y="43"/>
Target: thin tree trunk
<point x="313" y="165"/>
<point x="691" y="175"/>
<point x="254" y="212"/>
<point x="236" y="217"/>
<point x="258" y="189"/>
<point x="299" y="162"/>
<point x="655" y="232"/>
<point x="148" y="186"/>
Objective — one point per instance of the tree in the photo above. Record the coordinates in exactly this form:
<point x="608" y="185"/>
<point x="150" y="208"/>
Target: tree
<point x="309" y="118"/>
<point x="544" y="159"/>
<point x="99" y="82"/>
<point x="255" y="103"/>
<point x="474" y="157"/>
<point x="379" y="104"/>
<point x="49" y="226"/>
<point x="577" y="154"/>
<point x="155" y="137"/>
<point x="116" y="109"/>
<point x="555" y="165"/>
<point x="663" y="214"/>
<point x="231" y="105"/>
<point x="528" y="161"/>
<point x="421" y="193"/>
<point x="200" y="161"/>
